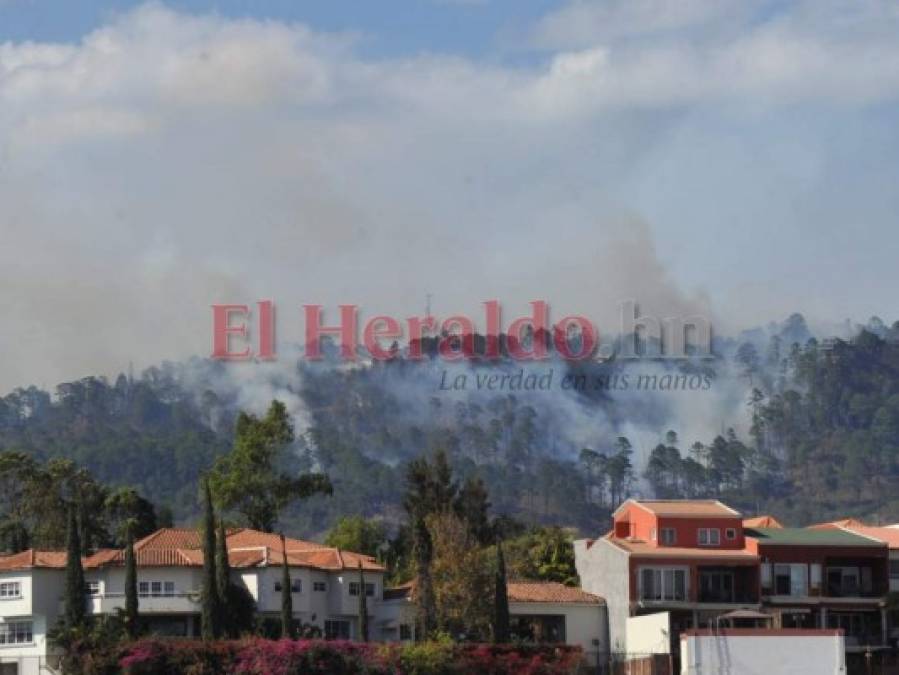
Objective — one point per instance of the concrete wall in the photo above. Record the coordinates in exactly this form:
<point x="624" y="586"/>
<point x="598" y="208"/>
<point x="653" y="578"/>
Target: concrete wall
<point x="649" y="634"/>
<point x="773" y="653"/>
<point x="603" y="569"/>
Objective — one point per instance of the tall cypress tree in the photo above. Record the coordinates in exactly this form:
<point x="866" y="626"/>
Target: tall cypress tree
<point x="501" y="600"/>
<point x="363" y="606"/>
<point x="223" y="577"/>
<point x="131" y="602"/>
<point x="286" y="596"/>
<point x="75" y="610"/>
<point x="211" y="605"/>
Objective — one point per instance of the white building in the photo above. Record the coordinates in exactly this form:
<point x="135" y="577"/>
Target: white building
<point x="539" y="612"/>
<point x="325" y="589"/>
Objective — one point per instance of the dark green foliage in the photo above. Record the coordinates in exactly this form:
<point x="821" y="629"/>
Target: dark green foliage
<point x="358" y="534"/>
<point x="363" y="606"/>
<point x="249" y="479"/>
<point x="211" y="603"/>
<point x="75" y="602"/>
<point x="287" y="623"/>
<point x="544" y="553"/>
<point x="500" y="600"/>
<point x="131" y="618"/>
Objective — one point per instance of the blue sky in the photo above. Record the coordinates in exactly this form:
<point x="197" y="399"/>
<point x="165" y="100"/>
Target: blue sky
<point x="391" y="28"/>
<point x="731" y="158"/>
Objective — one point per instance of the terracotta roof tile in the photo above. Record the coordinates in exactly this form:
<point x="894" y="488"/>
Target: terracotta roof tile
<point x="179" y="547"/>
<point x="762" y="521"/>
<point x="548" y="591"/>
<point x="684" y="507"/>
<point x="643" y="548"/>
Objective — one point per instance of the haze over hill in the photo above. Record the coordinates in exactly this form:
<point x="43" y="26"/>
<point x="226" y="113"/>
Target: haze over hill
<point x="802" y="426"/>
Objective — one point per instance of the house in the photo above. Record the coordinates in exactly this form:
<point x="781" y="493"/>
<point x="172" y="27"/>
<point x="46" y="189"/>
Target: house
<point x="888" y="535"/>
<point x="325" y="588"/>
<point x="686" y="557"/>
<point x="539" y="611"/>
<point x="824" y="578"/>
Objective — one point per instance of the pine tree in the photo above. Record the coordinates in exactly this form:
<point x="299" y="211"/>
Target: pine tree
<point x="286" y="596"/>
<point x="223" y="579"/>
<point x="211" y="604"/>
<point x="131" y="602"/>
<point x="75" y="610"/>
<point x="363" y="606"/>
<point x="501" y="602"/>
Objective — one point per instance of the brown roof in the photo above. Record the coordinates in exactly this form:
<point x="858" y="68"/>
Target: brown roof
<point x="549" y="591"/>
<point x="762" y="521"/>
<point x="643" y="548"/>
<point x="30" y="559"/>
<point x="179" y="547"/>
<point x="684" y="507"/>
<point x="517" y="591"/>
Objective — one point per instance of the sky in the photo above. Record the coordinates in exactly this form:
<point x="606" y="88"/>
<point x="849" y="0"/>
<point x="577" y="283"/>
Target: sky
<point x="731" y="158"/>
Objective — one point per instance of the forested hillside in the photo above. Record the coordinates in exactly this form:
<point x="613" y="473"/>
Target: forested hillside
<point x="813" y="432"/>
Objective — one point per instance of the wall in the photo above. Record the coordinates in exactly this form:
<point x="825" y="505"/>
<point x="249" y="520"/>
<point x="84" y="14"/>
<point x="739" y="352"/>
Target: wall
<point x="649" y="634"/>
<point x="763" y="653"/>
<point x="585" y="624"/>
<point x="603" y="569"/>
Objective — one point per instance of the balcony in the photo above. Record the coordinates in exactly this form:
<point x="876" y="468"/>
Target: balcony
<point x="727" y="585"/>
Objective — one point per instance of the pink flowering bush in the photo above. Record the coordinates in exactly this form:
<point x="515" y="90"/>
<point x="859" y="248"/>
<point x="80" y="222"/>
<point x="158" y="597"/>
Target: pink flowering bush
<point x="320" y="657"/>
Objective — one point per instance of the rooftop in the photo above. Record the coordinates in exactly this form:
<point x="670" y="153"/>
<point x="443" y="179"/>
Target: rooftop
<point x="798" y="536"/>
<point x="762" y="521"/>
<point x="684" y="507"/>
<point x="179" y="547"/>
<point x="549" y="591"/>
<point x="644" y="548"/>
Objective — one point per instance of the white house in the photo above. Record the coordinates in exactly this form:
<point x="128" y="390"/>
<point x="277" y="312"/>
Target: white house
<point x="539" y="612"/>
<point x="325" y="588"/>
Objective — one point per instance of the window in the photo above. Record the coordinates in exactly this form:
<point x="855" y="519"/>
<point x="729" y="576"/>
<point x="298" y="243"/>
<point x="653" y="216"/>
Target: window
<point x="405" y="631"/>
<point x="369" y="589"/>
<point x="156" y="589"/>
<point x="658" y="583"/>
<point x="669" y="536"/>
<point x="10" y="590"/>
<point x="849" y="581"/>
<point x="709" y="536"/>
<point x="337" y="630"/>
<point x="894" y="569"/>
<point x="716" y="586"/>
<point x="296" y="586"/>
<point x="16" y="633"/>
<point x="791" y="579"/>
<point x="730" y="533"/>
<point x="93" y="588"/>
<point x="319" y="586"/>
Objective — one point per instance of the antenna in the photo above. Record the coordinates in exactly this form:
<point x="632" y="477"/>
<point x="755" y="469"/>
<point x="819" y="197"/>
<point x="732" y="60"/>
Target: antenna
<point x="428" y="297"/>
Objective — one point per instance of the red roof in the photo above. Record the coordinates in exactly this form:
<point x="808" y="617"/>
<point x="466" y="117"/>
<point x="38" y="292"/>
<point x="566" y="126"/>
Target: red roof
<point x="762" y="521"/>
<point x="679" y="508"/>
<point x="644" y="548"/>
<point x="549" y="591"/>
<point x="178" y="547"/>
<point x="517" y="591"/>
